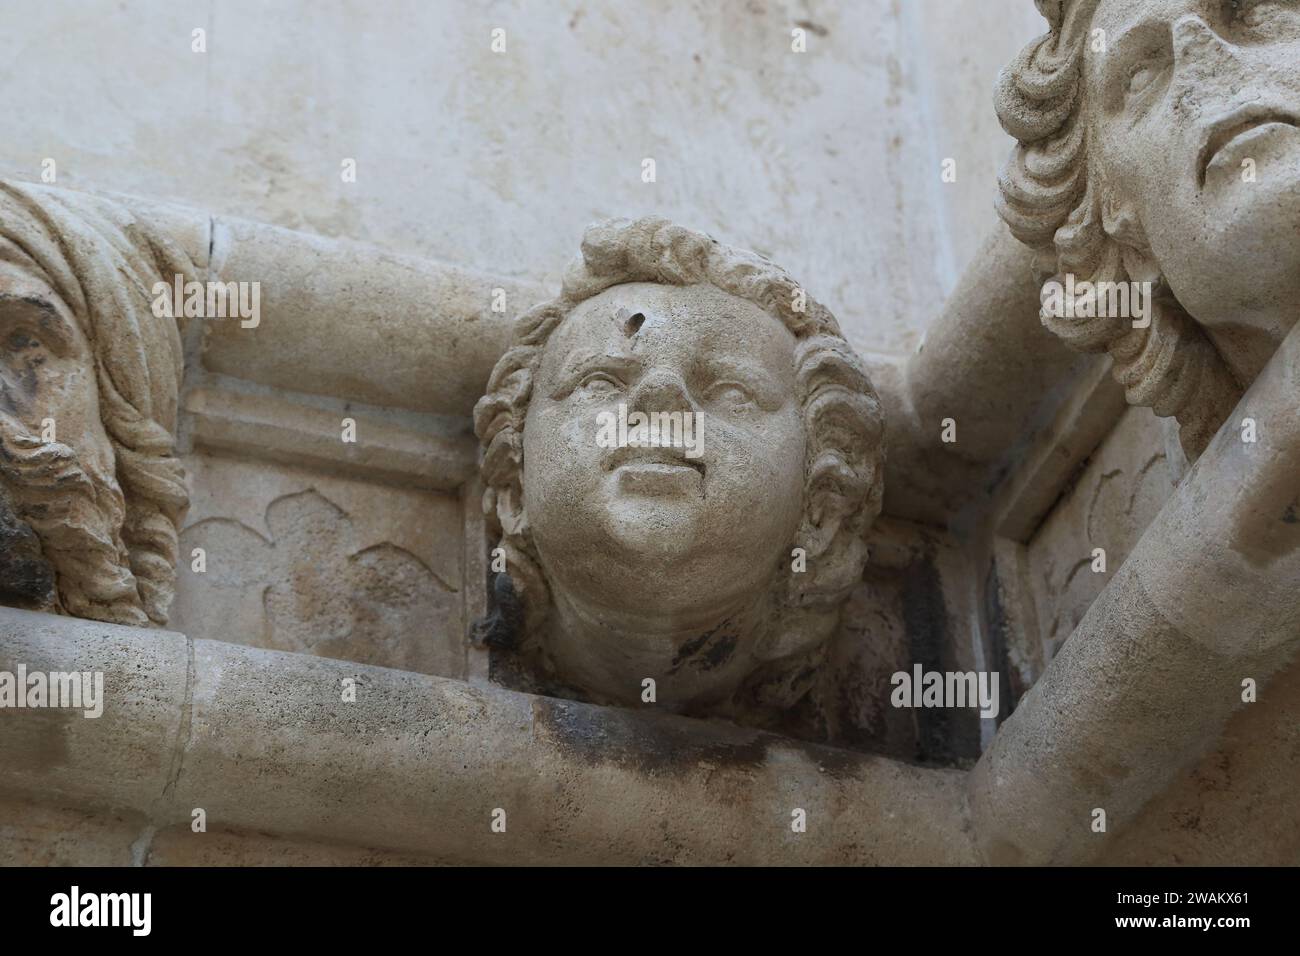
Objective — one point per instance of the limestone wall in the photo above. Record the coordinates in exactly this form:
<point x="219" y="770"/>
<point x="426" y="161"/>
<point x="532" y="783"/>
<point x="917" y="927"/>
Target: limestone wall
<point x="828" y="161"/>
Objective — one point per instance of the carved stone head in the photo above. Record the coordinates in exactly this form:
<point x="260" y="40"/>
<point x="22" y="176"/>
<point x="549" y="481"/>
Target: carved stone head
<point x="714" y="566"/>
<point x="90" y="491"/>
<point x="1160" y="142"/>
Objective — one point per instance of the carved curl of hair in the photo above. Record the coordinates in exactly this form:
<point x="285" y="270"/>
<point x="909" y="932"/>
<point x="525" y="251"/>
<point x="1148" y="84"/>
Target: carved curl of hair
<point x="843" y="472"/>
<point x="1051" y="203"/>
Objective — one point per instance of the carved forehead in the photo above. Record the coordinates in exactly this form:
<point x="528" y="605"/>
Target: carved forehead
<point x="1115" y="16"/>
<point x="666" y="323"/>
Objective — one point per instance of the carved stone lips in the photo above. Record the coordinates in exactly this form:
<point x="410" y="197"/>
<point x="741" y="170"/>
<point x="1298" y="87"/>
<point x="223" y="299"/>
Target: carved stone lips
<point x="653" y="457"/>
<point x="1229" y="128"/>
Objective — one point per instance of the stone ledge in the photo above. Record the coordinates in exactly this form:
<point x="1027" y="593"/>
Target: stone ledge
<point x="274" y="428"/>
<point x="262" y="742"/>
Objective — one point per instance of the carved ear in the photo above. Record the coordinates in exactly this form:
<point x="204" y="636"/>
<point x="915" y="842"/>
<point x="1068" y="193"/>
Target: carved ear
<point x="498" y="420"/>
<point x="503" y="505"/>
<point x="845" y="458"/>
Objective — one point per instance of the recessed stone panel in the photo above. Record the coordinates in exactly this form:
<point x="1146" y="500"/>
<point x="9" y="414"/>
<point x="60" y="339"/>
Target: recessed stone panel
<point x="295" y="560"/>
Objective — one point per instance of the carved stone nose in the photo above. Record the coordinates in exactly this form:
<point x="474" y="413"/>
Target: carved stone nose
<point x="660" y="391"/>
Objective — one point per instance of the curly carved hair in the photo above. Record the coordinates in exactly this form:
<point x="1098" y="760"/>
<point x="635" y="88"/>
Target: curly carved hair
<point x="843" y="472"/>
<point x="1053" y="203"/>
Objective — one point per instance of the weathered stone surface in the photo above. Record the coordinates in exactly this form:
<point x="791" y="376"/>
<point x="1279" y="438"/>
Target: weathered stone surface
<point x="264" y="741"/>
<point x="911" y="608"/>
<point x="1108" y="507"/>
<point x="371" y="326"/>
<point x="322" y="557"/>
<point x="404" y="450"/>
<point x="1210" y="596"/>
<point x="127" y="758"/>
<point x="37" y="833"/>
<point x="181" y="846"/>
<point x="301" y="561"/>
<point x="26" y="578"/>
<point x="1236" y="806"/>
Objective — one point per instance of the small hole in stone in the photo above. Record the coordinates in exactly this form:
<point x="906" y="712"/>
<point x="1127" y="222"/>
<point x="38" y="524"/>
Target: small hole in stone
<point x="633" y="324"/>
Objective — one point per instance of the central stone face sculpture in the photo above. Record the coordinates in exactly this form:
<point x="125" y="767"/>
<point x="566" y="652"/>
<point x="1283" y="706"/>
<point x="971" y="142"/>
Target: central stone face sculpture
<point x="714" y="565"/>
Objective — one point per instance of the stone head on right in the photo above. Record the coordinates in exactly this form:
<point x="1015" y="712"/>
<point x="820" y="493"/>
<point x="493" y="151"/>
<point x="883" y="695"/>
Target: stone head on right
<point x="1158" y="141"/>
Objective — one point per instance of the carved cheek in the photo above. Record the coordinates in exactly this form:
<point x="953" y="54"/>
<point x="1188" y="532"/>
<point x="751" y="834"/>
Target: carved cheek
<point x="60" y="391"/>
<point x="1107" y="165"/>
<point x="764" y="455"/>
<point x="67" y="393"/>
<point x="558" y="429"/>
<point x="793" y="447"/>
<point x="557" y="437"/>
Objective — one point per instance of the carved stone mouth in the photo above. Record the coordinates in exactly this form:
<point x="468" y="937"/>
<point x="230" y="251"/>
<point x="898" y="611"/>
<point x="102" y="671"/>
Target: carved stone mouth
<point x="1229" y="128"/>
<point x="666" y="456"/>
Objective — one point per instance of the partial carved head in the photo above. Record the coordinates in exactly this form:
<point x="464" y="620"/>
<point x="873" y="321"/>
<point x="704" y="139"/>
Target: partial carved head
<point x="715" y="564"/>
<point x="1159" y="141"/>
<point x="91" y="493"/>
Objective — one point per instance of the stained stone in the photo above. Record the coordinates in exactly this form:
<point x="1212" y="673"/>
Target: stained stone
<point x="393" y="552"/>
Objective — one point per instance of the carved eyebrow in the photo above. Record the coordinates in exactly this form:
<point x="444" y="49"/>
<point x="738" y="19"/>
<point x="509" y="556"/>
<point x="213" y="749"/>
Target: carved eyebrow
<point x="1139" y="33"/>
<point x="580" y="363"/>
<point x="1140" y="37"/>
<point x="1136" y="37"/>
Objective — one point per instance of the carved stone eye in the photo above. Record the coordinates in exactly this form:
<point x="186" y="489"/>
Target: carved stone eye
<point x="1142" y="78"/>
<point x="730" y="393"/>
<point x="600" y="383"/>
